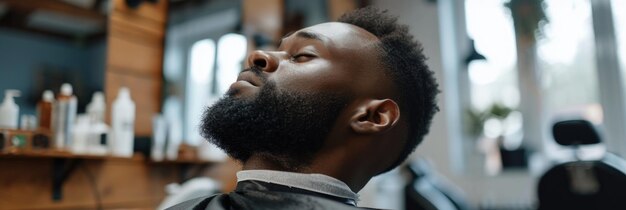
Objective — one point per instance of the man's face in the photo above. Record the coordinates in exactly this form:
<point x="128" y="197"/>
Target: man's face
<point x="288" y="103"/>
<point x="324" y="58"/>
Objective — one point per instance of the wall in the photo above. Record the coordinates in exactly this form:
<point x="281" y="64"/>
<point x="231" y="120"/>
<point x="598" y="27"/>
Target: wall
<point x="135" y="58"/>
<point x="442" y="146"/>
<point x="23" y="54"/>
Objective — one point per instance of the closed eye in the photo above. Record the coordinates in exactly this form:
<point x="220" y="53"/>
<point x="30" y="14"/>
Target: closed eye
<point x="302" y="57"/>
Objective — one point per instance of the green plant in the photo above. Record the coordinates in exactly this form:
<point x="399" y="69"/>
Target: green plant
<point x="528" y="17"/>
<point x="475" y="120"/>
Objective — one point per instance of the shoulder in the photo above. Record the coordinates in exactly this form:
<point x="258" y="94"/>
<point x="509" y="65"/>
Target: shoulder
<point x="194" y="204"/>
<point x="261" y="200"/>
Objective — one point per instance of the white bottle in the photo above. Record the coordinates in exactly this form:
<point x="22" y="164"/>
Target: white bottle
<point x="9" y="111"/>
<point x="96" y="108"/>
<point x="97" y="141"/>
<point x="98" y="130"/>
<point x="80" y="135"/>
<point x="122" y="124"/>
<point x="173" y="121"/>
<point x="64" y="116"/>
<point x="159" y="135"/>
<point x="174" y="138"/>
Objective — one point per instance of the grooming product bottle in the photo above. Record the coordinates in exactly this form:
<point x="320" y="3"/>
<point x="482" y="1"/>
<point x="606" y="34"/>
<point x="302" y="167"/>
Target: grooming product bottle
<point x="97" y="141"/>
<point x="63" y="117"/>
<point x="159" y="134"/>
<point x="28" y="122"/>
<point x="44" y="110"/>
<point x="122" y="124"/>
<point x="96" y="108"/>
<point x="80" y="135"/>
<point x="174" y="137"/>
<point x="98" y="130"/>
<point x="9" y="111"/>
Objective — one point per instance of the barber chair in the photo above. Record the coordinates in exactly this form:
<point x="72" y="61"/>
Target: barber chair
<point x="583" y="184"/>
<point x="428" y="191"/>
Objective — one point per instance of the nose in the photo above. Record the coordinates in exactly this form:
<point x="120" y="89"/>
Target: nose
<point x="264" y="60"/>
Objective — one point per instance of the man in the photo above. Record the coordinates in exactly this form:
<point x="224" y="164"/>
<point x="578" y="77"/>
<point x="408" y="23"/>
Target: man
<point x="312" y="122"/>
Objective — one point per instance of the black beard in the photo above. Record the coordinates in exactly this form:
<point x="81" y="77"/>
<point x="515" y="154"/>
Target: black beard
<point x="283" y="127"/>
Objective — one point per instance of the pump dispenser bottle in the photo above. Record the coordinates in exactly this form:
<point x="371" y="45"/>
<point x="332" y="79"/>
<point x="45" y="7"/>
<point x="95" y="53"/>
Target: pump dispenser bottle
<point x="64" y="115"/>
<point x="9" y="111"/>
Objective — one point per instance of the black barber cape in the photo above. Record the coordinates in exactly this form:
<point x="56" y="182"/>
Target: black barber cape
<point x="262" y="195"/>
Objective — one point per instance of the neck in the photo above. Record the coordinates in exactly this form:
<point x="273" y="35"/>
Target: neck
<point x="333" y="165"/>
<point x="266" y="162"/>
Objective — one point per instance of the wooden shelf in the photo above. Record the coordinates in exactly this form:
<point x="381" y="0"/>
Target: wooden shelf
<point x="63" y="164"/>
<point x="65" y="161"/>
<point x="184" y="161"/>
<point x="68" y="155"/>
<point x="187" y="168"/>
<point x="62" y="155"/>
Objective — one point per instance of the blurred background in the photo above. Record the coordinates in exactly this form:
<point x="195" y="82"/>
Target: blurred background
<point x="508" y="70"/>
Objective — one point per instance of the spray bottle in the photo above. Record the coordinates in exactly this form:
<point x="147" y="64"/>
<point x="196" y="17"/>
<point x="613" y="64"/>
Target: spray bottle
<point x="64" y="115"/>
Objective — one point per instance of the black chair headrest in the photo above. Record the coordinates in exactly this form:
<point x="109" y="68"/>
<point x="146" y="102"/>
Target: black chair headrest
<point x="575" y="132"/>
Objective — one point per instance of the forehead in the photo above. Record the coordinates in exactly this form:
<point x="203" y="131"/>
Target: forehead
<point x="342" y="35"/>
<point x="352" y="49"/>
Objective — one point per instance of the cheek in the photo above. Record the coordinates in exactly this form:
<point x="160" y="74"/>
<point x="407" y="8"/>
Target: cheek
<point x="310" y="77"/>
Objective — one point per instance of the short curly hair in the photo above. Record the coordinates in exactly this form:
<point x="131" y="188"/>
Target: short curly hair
<point x="404" y="61"/>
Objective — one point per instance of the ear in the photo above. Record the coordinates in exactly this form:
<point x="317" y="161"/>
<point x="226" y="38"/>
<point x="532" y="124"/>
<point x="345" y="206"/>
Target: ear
<point x="375" y="116"/>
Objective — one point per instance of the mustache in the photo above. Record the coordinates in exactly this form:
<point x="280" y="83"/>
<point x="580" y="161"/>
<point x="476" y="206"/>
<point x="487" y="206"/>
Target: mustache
<point x="257" y="72"/>
<point x="259" y="79"/>
<point x="258" y="76"/>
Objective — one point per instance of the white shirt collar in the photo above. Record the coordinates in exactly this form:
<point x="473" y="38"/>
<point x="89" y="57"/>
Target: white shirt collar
<point x="319" y="183"/>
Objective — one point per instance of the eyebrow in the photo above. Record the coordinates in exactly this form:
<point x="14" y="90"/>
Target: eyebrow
<point x="302" y="34"/>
